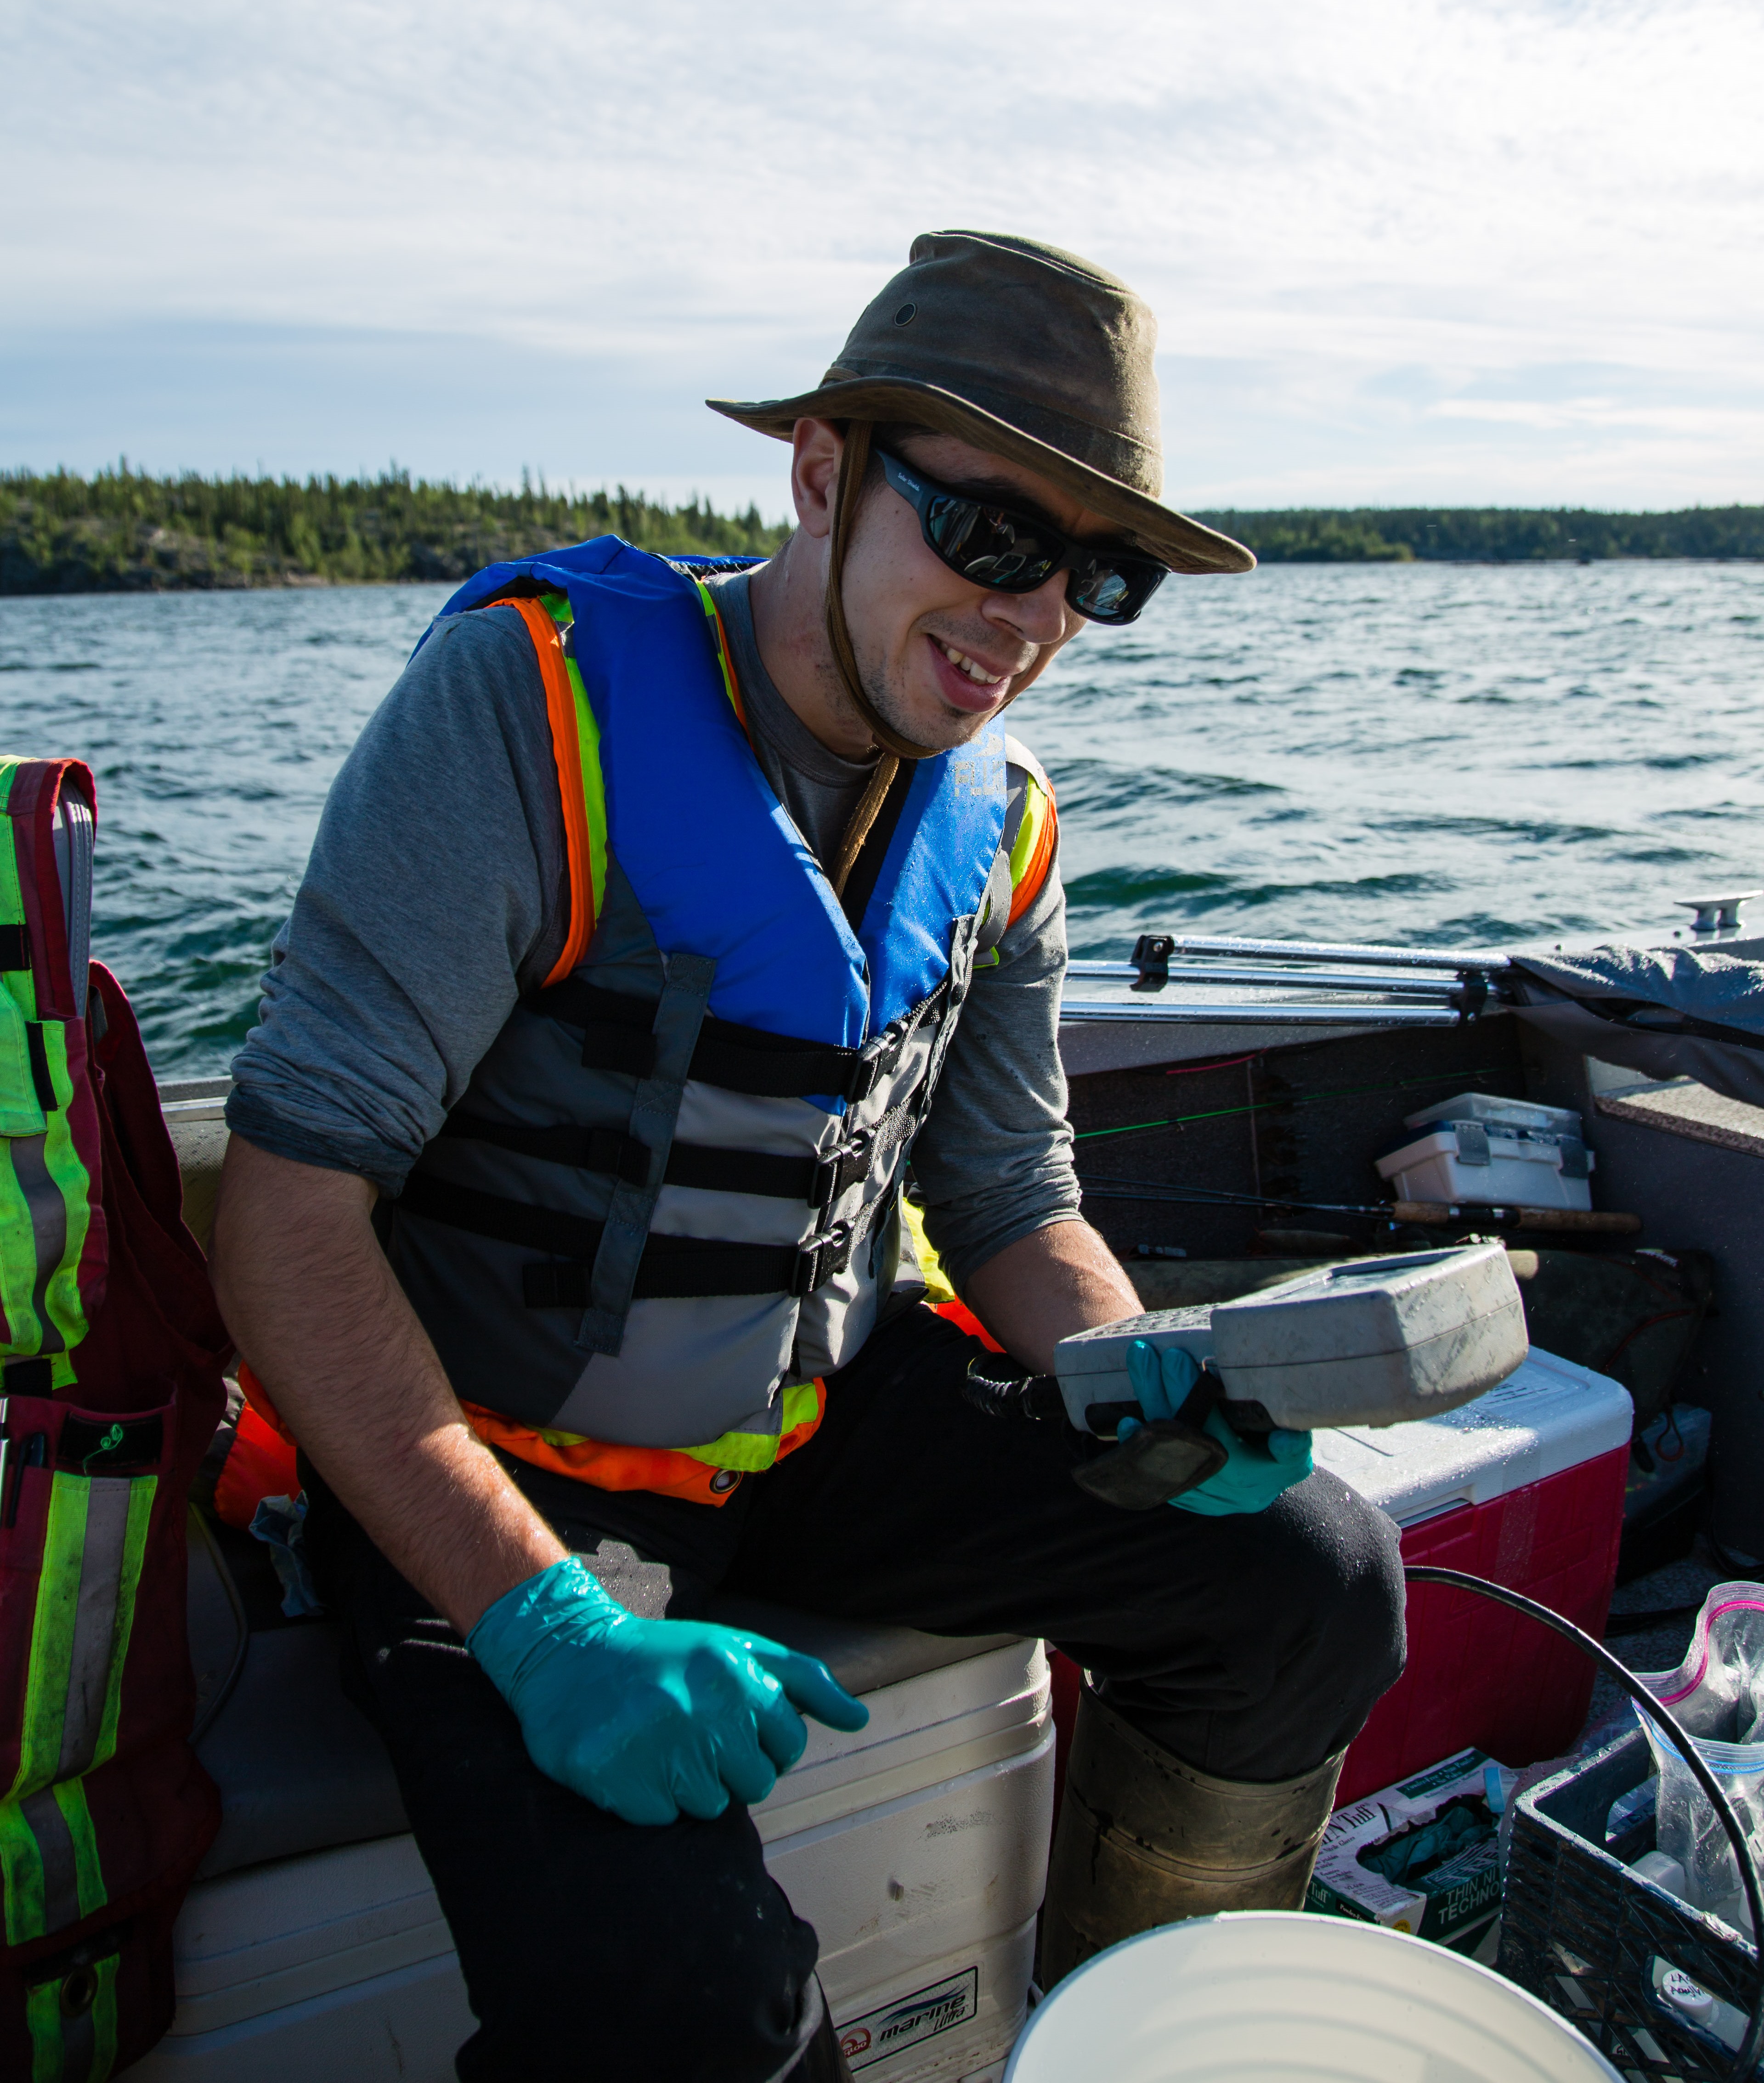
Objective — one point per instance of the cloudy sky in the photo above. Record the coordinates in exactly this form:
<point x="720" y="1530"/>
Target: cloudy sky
<point x="1401" y="250"/>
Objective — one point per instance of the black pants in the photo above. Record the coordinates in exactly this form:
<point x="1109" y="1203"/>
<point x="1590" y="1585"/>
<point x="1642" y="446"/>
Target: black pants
<point x="594" y="1950"/>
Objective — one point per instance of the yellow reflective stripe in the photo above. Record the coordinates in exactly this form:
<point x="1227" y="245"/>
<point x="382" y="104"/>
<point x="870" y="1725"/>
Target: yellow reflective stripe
<point x="51" y="1636"/>
<point x="20" y="982"/>
<point x="42" y="2016"/>
<point x="21" y="1876"/>
<point x="709" y="605"/>
<point x="748" y="1451"/>
<point x="937" y="1281"/>
<point x="50" y="2049"/>
<point x="18" y="1255"/>
<point x="751" y="1451"/>
<point x="593" y="785"/>
<point x="25" y="1883"/>
<point x="89" y="1875"/>
<point x="142" y="1491"/>
<point x="72" y="1181"/>
<point x="1038" y="807"/>
<point x="104" y="2020"/>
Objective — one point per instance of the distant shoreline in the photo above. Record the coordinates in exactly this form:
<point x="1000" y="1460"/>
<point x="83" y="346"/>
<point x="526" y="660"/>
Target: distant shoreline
<point x="1492" y="534"/>
<point x="123" y="531"/>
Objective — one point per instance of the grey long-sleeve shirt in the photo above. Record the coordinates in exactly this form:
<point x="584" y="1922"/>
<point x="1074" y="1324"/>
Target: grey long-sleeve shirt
<point x="437" y="893"/>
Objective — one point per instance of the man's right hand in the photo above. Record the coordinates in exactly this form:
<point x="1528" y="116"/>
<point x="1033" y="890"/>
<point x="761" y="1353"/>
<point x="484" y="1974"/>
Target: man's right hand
<point x="650" y="1718"/>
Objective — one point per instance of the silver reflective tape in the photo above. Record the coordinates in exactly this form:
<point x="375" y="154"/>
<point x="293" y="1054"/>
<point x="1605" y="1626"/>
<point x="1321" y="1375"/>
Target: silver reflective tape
<point x="95" y="1622"/>
<point x="55" y="1847"/>
<point x="79" y="2045"/>
<point x="48" y="1226"/>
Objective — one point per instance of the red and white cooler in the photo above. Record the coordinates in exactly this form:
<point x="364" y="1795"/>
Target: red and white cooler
<point x="1525" y="1486"/>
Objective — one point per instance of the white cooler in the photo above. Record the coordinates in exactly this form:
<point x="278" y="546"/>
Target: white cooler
<point x="917" y="1848"/>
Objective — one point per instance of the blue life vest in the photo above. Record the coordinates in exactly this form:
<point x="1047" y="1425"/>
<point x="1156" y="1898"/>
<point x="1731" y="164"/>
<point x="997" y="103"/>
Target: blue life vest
<point x="667" y="1202"/>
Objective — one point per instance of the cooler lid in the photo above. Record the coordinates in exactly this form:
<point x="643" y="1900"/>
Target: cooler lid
<point x="1548" y="1415"/>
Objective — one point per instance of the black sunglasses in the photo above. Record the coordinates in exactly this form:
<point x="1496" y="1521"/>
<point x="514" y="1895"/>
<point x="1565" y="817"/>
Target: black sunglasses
<point x="1010" y="551"/>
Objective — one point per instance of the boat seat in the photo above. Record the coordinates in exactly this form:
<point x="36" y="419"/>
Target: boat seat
<point x="299" y="1767"/>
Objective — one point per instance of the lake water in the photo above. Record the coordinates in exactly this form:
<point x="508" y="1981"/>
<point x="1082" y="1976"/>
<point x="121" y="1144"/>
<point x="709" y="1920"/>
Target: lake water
<point x="1392" y="752"/>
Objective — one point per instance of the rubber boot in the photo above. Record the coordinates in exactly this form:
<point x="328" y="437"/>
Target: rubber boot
<point x="822" y="2061"/>
<point x="1145" y="1839"/>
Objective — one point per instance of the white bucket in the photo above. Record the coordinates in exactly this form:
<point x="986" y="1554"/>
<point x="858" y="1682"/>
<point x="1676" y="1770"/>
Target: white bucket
<point x="1286" y="1996"/>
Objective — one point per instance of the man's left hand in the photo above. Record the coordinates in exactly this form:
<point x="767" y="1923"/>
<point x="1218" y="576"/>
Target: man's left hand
<point x="1257" y="1469"/>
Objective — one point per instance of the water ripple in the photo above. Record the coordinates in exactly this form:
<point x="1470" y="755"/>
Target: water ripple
<point x="1474" y="754"/>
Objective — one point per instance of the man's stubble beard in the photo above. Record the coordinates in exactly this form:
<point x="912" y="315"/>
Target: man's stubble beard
<point x="952" y="727"/>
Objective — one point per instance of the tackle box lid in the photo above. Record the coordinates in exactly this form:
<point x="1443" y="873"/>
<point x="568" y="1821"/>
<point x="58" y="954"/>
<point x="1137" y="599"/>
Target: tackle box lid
<point x="1492" y="1111"/>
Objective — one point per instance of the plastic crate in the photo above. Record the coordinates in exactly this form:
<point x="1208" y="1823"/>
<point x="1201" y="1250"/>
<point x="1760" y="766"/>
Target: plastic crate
<point x="1588" y="1936"/>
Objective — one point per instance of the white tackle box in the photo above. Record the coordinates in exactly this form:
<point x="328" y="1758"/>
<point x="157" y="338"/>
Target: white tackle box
<point x="1488" y="1151"/>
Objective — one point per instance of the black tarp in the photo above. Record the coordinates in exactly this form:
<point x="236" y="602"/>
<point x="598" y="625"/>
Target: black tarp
<point x="1663" y="1013"/>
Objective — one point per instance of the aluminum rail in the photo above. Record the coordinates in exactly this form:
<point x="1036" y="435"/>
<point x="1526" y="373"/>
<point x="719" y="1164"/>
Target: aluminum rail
<point x="1485" y="959"/>
<point x="1427" y="987"/>
<point x="1259" y="1012"/>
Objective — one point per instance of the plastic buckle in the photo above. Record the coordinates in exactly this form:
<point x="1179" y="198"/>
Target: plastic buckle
<point x="835" y="1173"/>
<point x="820" y="1258"/>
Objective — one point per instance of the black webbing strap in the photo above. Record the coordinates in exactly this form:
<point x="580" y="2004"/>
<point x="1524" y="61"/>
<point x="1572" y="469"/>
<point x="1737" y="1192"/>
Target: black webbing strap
<point x="817" y="1181"/>
<point x="861" y="882"/>
<point x="673" y="1268"/>
<point x="604" y="1150"/>
<point x="41" y="1078"/>
<point x="15" y="947"/>
<point x="615" y="1036"/>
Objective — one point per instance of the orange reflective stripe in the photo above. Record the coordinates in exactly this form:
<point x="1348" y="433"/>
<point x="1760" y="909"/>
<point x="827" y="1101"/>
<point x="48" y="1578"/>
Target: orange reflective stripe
<point x="725" y="658"/>
<point x="662" y="1470"/>
<point x="964" y="1320"/>
<point x="566" y="748"/>
<point x="258" y="1397"/>
<point x="1040" y="860"/>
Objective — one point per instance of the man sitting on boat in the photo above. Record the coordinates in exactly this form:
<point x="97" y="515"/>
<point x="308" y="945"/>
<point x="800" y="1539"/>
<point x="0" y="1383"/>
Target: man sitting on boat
<point x="662" y="915"/>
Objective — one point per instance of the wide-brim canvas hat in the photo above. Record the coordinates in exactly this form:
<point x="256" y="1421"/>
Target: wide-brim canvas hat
<point x="1030" y="353"/>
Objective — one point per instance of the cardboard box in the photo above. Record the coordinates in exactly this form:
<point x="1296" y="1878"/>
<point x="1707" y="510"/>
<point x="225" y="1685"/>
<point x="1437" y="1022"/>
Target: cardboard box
<point x="1451" y="1902"/>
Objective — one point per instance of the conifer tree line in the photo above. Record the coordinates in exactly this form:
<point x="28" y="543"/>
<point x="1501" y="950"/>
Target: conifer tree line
<point x="124" y="529"/>
<point x="1490" y="535"/>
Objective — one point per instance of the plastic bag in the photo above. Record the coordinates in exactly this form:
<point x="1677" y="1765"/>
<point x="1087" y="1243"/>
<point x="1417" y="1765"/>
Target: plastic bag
<point x="1717" y="1693"/>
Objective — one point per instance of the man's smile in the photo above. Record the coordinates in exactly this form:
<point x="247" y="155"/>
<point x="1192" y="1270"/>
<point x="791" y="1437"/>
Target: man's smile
<point x="967" y="683"/>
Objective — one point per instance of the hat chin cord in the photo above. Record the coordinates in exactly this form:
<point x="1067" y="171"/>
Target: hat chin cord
<point x="854" y="465"/>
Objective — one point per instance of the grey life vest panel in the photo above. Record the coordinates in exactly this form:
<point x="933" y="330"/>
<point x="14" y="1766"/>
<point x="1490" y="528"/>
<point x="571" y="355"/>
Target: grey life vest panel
<point x="621" y="1233"/>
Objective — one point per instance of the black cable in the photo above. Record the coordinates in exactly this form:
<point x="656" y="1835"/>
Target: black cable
<point x="1746" y="2061"/>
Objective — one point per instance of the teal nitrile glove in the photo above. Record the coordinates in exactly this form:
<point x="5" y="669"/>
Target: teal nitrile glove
<point x="1259" y="1468"/>
<point x="650" y="1718"/>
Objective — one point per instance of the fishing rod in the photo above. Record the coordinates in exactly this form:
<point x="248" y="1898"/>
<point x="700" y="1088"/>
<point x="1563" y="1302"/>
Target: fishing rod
<point x="1423" y="1215"/>
<point x="1153" y="1190"/>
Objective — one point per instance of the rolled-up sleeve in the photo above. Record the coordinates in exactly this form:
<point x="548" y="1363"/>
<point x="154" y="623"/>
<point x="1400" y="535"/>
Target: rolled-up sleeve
<point x="436" y="892"/>
<point x="993" y="1160"/>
